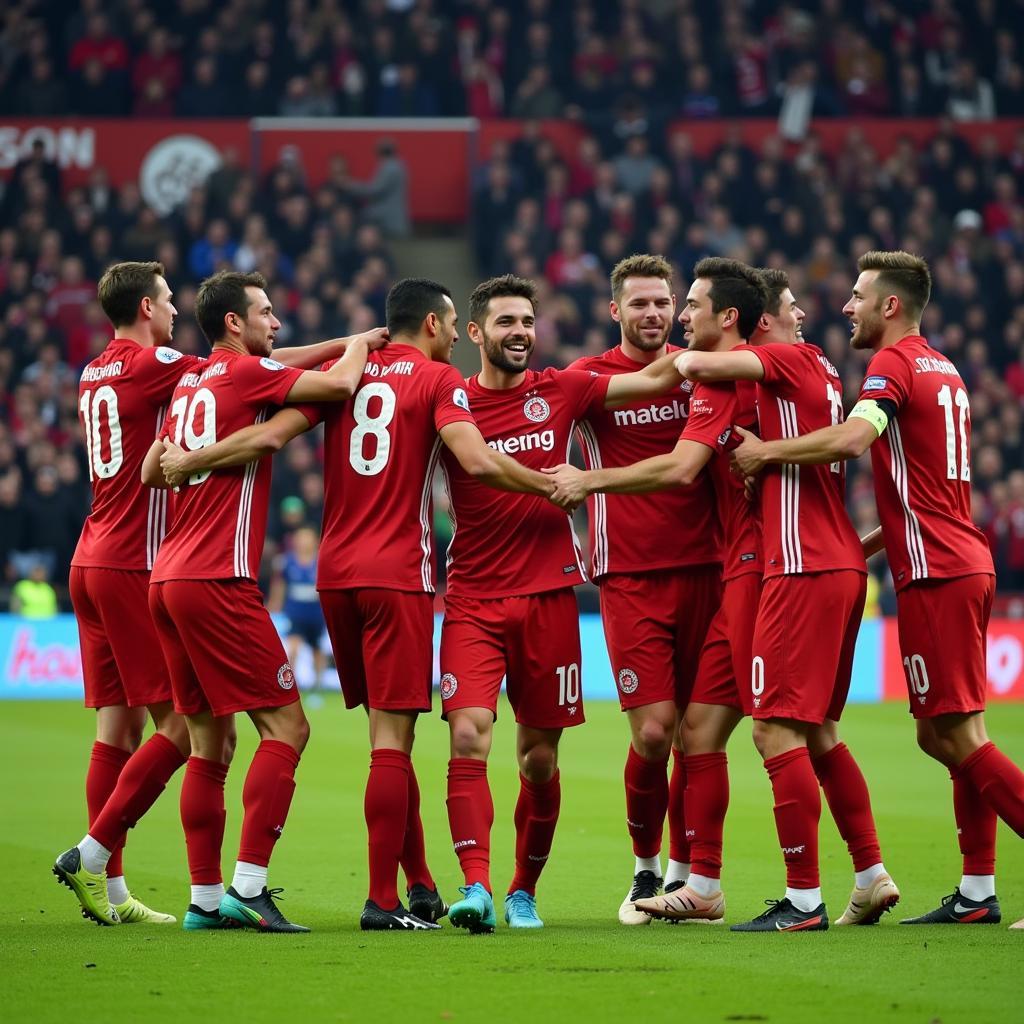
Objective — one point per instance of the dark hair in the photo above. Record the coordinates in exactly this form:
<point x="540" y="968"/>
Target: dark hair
<point x="123" y="286"/>
<point x="221" y="294"/>
<point x="902" y="274"/>
<point x="639" y="265"/>
<point x="734" y="285"/>
<point x="411" y="301"/>
<point x="776" y="282"/>
<point x="496" y="288"/>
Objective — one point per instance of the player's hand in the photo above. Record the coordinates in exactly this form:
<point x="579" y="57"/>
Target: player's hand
<point x="570" y="488"/>
<point x="747" y="457"/>
<point x="375" y="339"/>
<point x="750" y="486"/>
<point x="173" y="464"/>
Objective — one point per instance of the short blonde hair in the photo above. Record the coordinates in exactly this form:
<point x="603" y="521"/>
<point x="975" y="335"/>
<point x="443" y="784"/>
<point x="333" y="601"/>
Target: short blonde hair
<point x="639" y="265"/>
<point x="903" y="274"/>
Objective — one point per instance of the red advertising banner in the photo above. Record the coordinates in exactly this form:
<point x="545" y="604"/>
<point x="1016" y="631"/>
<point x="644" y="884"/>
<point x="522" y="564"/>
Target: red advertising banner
<point x="1005" y="661"/>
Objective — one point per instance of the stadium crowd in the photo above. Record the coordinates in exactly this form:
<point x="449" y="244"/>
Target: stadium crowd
<point x="632" y="186"/>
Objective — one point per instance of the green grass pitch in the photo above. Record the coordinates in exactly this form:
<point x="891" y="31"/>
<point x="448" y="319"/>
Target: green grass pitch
<point x="582" y="966"/>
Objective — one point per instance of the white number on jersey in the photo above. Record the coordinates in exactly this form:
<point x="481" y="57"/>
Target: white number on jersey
<point x="568" y="684"/>
<point x="203" y="403"/>
<point x="371" y="430"/>
<point x="947" y="400"/>
<point x="917" y="675"/>
<point x="90" y="406"/>
<point x="835" y="402"/>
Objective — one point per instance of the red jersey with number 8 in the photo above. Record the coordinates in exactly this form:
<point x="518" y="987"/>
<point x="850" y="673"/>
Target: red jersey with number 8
<point x="122" y="399"/>
<point x="220" y="517"/>
<point x="922" y="465"/>
<point x="380" y="452"/>
<point x="803" y="510"/>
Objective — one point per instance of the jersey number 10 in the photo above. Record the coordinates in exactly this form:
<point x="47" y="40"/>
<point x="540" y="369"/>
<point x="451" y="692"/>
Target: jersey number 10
<point x="93" y="406"/>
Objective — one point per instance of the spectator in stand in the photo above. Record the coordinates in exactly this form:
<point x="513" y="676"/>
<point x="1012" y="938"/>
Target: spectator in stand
<point x="385" y="195"/>
<point x="33" y="597"/>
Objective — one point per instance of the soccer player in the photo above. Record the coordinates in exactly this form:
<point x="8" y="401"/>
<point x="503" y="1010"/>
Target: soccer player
<point x="656" y="559"/>
<point x="376" y="568"/>
<point x="940" y="562"/>
<point x="220" y="645"/>
<point x="510" y="609"/>
<point x="122" y="398"/>
<point x="806" y="627"/>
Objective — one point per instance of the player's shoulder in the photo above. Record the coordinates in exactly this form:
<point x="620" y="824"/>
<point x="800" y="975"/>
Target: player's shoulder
<point x="612" y="361"/>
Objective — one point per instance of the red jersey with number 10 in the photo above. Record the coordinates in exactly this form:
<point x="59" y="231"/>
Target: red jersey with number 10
<point x="220" y="517"/>
<point x="507" y="544"/>
<point x="638" y="533"/>
<point x="922" y="465"/>
<point x="122" y="399"/>
<point x="380" y="452"/>
<point x="803" y="511"/>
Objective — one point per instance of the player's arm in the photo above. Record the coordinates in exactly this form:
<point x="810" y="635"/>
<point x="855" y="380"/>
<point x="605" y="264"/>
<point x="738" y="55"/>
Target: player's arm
<point x="339" y="382"/>
<point x="712" y="366"/>
<point x="275" y="599"/>
<point x="843" y="441"/>
<point x="872" y="542"/>
<point x="308" y="357"/>
<point x="677" y="468"/>
<point x="152" y="474"/>
<point x="237" y="449"/>
<point x="483" y="463"/>
<point x="656" y="379"/>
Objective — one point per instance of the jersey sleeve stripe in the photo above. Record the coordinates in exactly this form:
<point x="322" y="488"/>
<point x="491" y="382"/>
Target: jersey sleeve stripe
<point x="426" y="568"/>
<point x="572" y="529"/>
<point x="599" y="527"/>
<point x="912" y="526"/>
<point x="244" y="519"/>
<point x="792" y="552"/>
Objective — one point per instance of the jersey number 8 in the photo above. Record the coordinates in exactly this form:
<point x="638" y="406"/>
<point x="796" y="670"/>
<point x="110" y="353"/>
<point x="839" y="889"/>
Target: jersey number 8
<point x="371" y="432"/>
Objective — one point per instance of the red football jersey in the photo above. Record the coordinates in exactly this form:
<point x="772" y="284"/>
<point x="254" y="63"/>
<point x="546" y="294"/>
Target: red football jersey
<point x="380" y="452"/>
<point x="922" y="465"/>
<point x="805" y="524"/>
<point x="714" y="409"/>
<point x="122" y="399"/>
<point x="220" y="517"/>
<point x="507" y="544"/>
<point x="632" y="533"/>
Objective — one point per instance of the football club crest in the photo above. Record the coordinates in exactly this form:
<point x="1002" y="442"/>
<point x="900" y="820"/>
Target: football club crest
<point x="628" y="680"/>
<point x="286" y="677"/>
<point x="536" y="410"/>
<point x="449" y="684"/>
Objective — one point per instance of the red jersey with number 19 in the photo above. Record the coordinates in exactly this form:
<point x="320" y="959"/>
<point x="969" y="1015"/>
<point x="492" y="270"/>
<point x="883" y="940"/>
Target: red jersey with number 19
<point x="220" y="517"/>
<point x="922" y="465"/>
<point x="637" y="533"/>
<point x="507" y="544"/>
<point x="805" y="524"/>
<point x="381" y="449"/>
<point x="122" y="399"/>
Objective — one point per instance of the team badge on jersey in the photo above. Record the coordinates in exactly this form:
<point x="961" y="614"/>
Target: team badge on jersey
<point x="271" y="364"/>
<point x="449" y="684"/>
<point x="536" y="409"/>
<point x="628" y="680"/>
<point x="286" y="677"/>
<point x="876" y="383"/>
<point x="723" y="437"/>
<point x="461" y="399"/>
<point x="167" y="355"/>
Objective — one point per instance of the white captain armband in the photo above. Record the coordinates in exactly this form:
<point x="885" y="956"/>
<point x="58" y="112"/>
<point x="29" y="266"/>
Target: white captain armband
<point x="867" y="409"/>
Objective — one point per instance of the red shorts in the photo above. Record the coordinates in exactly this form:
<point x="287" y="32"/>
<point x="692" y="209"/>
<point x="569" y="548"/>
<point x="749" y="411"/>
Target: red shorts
<point x="942" y="626"/>
<point x="532" y="641"/>
<point x="723" y="674"/>
<point x="223" y="651"/>
<point x="120" y="663"/>
<point x="383" y="643"/>
<point x="802" y="653"/>
<point x="654" y="626"/>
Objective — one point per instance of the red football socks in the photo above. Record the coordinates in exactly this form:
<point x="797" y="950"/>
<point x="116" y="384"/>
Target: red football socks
<point x="975" y="826"/>
<point x="202" y="818"/>
<point x="707" y="800"/>
<point x="850" y="803"/>
<point x="535" y="818"/>
<point x="386" y="807"/>
<point x="141" y="781"/>
<point x="646" y="802"/>
<point x="105" y="765"/>
<point x="470" y="817"/>
<point x="999" y="781"/>
<point x="414" y="854"/>
<point x="266" y="797"/>
<point x="797" y="812"/>
<point x="678" y="844"/>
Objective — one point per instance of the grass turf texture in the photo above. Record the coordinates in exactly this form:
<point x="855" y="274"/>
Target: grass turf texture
<point x="583" y="965"/>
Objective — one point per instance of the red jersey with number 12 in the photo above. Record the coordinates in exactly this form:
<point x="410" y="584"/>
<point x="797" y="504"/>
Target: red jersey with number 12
<point x="380" y="452"/>
<point x="922" y="465"/>
<point x="507" y="544"/>
<point x="220" y="517"/>
<point x="122" y="399"/>
<point x="803" y="509"/>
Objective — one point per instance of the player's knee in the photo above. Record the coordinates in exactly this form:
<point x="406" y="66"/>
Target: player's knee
<point x="467" y="740"/>
<point x="228" y="744"/>
<point x="539" y="763"/>
<point x="762" y="735"/>
<point x="299" y="734"/>
<point x="652" y="739"/>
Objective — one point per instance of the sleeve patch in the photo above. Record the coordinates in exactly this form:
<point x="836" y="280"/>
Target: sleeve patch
<point x="271" y="364"/>
<point x="875" y="383"/>
<point x="869" y="410"/>
<point x="461" y="399"/>
<point x="167" y="355"/>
